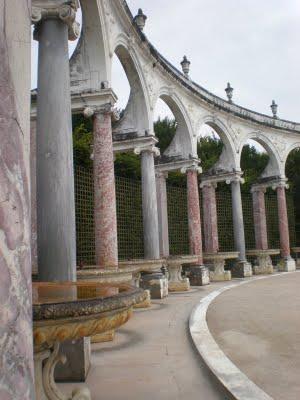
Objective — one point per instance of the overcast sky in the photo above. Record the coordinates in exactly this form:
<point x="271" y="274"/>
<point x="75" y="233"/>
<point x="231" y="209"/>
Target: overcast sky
<point x="253" y="44"/>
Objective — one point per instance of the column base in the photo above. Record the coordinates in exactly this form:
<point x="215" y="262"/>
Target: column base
<point x="146" y="303"/>
<point x="176" y="282"/>
<point x="287" y="265"/>
<point x="45" y="363"/>
<point x="182" y="285"/>
<point x="78" y="361"/>
<point x="103" y="337"/>
<point x="199" y="275"/>
<point x="242" y="269"/>
<point x="156" y="283"/>
<point x="217" y="271"/>
<point x="263" y="265"/>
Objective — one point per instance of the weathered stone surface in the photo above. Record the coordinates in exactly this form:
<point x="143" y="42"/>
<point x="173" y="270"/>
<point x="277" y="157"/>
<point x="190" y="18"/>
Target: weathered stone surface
<point x="54" y="162"/>
<point x="162" y="209"/>
<point x="78" y="361"/>
<point x="156" y="283"/>
<point x="259" y="216"/>
<point x="194" y="220"/>
<point x="199" y="275"/>
<point x="241" y="269"/>
<point x="105" y="214"/>
<point x="16" y="352"/>
<point x="210" y="221"/>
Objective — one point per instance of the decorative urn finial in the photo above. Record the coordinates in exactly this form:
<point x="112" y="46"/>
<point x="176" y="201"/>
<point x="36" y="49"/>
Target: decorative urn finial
<point x="274" y="108"/>
<point x="140" y="19"/>
<point x="185" y="64"/>
<point x="229" y="92"/>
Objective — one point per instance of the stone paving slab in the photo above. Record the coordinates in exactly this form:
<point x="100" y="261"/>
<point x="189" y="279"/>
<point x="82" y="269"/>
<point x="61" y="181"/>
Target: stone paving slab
<point x="152" y="356"/>
<point x="257" y="325"/>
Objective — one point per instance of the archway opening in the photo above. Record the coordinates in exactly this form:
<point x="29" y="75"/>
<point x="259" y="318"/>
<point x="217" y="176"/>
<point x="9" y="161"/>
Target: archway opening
<point x="167" y="123"/>
<point x="254" y="160"/>
<point x="292" y="171"/>
<point x="209" y="147"/>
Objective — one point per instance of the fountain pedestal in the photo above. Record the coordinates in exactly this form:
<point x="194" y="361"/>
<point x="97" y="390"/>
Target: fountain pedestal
<point x="70" y="311"/>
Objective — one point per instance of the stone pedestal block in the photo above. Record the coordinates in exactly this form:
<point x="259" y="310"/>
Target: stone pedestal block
<point x="156" y="283"/>
<point x="217" y="272"/>
<point x="242" y="269"/>
<point x="287" y="265"/>
<point x="199" y="275"/>
<point x="263" y="265"/>
<point x="78" y="361"/>
<point x="176" y="282"/>
<point x="146" y="303"/>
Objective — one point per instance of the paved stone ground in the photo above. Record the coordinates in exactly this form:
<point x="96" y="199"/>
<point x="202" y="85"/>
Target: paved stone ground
<point x="153" y="358"/>
<point x="257" y="325"/>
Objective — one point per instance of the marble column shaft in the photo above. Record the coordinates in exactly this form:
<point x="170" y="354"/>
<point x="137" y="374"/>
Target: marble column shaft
<point x="283" y="222"/>
<point x="238" y="220"/>
<point x="55" y="177"/>
<point x="194" y="219"/>
<point x="149" y="200"/>
<point x="105" y="214"/>
<point x="259" y="216"/>
<point x="34" y="259"/>
<point x="16" y="342"/>
<point x="211" y="239"/>
<point x="162" y="210"/>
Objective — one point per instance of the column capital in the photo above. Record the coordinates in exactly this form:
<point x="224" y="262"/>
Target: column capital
<point x="258" y="188"/>
<point x="161" y="174"/>
<point x="65" y="10"/>
<point x="194" y="167"/>
<point x="107" y="108"/>
<point x="234" y="177"/>
<point x="280" y="183"/>
<point x="150" y="148"/>
<point x="208" y="183"/>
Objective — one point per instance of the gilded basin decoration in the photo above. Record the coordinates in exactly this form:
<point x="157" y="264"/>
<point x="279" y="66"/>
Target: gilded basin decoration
<point x="69" y="311"/>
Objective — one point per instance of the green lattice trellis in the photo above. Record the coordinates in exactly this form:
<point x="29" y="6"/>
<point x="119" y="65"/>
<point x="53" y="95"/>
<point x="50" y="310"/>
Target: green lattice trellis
<point x="130" y="220"/>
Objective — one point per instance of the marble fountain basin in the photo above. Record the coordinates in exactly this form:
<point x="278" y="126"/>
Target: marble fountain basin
<point x="69" y="311"/>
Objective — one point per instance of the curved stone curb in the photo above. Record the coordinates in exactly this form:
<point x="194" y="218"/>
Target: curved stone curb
<point x="233" y="379"/>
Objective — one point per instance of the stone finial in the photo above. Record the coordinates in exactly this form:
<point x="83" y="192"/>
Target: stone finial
<point x="274" y="108"/>
<point x="229" y="92"/>
<point x="140" y="19"/>
<point x="185" y="64"/>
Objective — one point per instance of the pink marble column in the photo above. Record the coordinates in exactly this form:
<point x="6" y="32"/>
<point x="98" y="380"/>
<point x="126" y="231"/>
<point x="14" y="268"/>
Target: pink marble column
<point x="162" y="211"/>
<point x="105" y="215"/>
<point x="259" y="216"/>
<point x="211" y="239"/>
<point x="195" y="236"/>
<point x="283" y="222"/>
<point x="16" y="342"/>
<point x="34" y="260"/>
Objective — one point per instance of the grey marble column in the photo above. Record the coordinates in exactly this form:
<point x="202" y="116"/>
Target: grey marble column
<point x="242" y="268"/>
<point x="55" y="179"/>
<point x="162" y="208"/>
<point x="149" y="200"/>
<point x="16" y="343"/>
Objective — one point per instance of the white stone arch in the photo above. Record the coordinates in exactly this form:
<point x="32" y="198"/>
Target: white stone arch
<point x="228" y="160"/>
<point x="137" y="115"/>
<point x="275" y="165"/>
<point x="90" y="62"/>
<point x="293" y="146"/>
<point x="183" y="144"/>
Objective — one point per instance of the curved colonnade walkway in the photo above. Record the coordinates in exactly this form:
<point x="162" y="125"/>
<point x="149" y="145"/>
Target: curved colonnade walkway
<point x="257" y="326"/>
